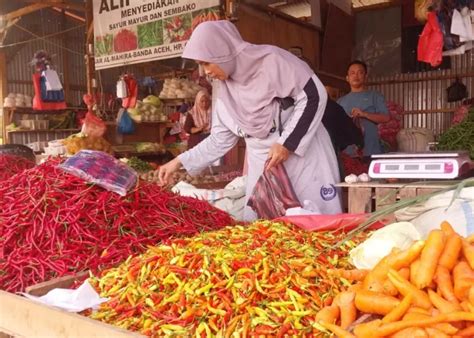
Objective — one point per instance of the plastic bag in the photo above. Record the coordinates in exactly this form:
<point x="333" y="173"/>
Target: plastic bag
<point x="93" y="126"/>
<point x="273" y="194"/>
<point x="343" y="222"/>
<point x="125" y="123"/>
<point x="456" y="91"/>
<point x="430" y="44"/>
<point x="102" y="169"/>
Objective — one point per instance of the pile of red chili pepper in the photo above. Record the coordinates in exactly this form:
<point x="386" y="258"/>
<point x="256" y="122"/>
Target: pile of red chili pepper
<point x="53" y="223"/>
<point x="267" y="278"/>
<point x="12" y="164"/>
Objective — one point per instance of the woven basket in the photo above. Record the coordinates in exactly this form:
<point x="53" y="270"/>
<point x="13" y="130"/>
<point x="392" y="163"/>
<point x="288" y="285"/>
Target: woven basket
<point x="18" y="150"/>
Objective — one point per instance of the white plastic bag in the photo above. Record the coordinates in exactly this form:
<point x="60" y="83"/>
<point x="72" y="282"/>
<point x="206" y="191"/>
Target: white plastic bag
<point x="396" y="235"/>
<point x="429" y="215"/>
<point x="121" y="89"/>
<point x="231" y="199"/>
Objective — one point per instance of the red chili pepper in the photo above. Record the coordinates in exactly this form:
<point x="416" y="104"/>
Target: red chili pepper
<point x="71" y="226"/>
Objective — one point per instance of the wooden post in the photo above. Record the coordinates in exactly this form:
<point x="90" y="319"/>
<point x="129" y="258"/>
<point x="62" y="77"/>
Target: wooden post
<point x="3" y="91"/>
<point x="66" y="77"/>
<point x="90" y="66"/>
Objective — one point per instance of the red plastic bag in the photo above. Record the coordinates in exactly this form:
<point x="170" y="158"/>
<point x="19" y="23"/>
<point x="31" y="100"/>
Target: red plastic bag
<point x="430" y="44"/>
<point x="93" y="126"/>
<point x="273" y="194"/>
<point x="343" y="222"/>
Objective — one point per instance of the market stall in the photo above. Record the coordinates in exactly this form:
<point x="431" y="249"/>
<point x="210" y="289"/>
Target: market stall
<point x="92" y="245"/>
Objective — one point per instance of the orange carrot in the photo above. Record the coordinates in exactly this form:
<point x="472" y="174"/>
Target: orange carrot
<point x="442" y="304"/>
<point x="415" y="309"/>
<point x="353" y="275"/>
<point x="405" y="273"/>
<point x="368" y="329"/>
<point x="470" y="295"/>
<point x="447" y="228"/>
<point x="429" y="259"/>
<point x="445" y="283"/>
<point x="347" y="308"/>
<point x="468" y="251"/>
<point x="465" y="306"/>
<point x="466" y="332"/>
<point x="470" y="239"/>
<point x="391" y="328"/>
<point x="328" y="314"/>
<point x="410" y="332"/>
<point x="414" y="270"/>
<point x="451" y="252"/>
<point x="374" y="279"/>
<point x="373" y="302"/>
<point x="443" y="327"/>
<point x="337" y="330"/>
<point x="463" y="278"/>
<point x="435" y="333"/>
<point x="405" y="288"/>
<point x="404" y="258"/>
<point x="398" y="312"/>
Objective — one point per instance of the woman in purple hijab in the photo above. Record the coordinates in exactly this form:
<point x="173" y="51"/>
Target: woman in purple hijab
<point x="272" y="99"/>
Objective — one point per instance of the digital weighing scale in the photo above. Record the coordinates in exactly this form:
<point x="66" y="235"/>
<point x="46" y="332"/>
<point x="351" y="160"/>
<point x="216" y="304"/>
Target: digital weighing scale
<point x="424" y="165"/>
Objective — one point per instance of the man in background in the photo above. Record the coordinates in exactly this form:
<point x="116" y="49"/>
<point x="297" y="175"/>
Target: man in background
<point x="366" y="107"/>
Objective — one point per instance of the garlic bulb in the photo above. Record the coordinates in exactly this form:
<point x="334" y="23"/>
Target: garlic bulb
<point x="351" y="179"/>
<point x="364" y="178"/>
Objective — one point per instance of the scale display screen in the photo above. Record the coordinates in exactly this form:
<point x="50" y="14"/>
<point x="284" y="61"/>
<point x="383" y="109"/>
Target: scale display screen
<point x="412" y="166"/>
<point x="392" y="167"/>
<point x="433" y="167"/>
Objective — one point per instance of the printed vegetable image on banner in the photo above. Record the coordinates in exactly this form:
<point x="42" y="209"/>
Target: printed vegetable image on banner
<point x="135" y="31"/>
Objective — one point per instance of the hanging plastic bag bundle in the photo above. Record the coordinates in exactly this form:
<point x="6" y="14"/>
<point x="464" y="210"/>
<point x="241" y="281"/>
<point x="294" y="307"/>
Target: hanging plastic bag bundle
<point x="273" y="194"/>
<point x="92" y="125"/>
<point x="125" y="123"/>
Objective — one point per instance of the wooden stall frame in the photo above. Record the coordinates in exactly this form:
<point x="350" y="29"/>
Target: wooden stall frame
<point x="22" y="317"/>
<point x="372" y="196"/>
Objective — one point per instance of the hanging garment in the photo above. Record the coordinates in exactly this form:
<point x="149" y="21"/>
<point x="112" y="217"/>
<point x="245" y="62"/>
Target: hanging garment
<point x="132" y="93"/>
<point x="38" y="103"/>
<point x="52" y="80"/>
<point x="461" y="24"/>
<point x="430" y="44"/>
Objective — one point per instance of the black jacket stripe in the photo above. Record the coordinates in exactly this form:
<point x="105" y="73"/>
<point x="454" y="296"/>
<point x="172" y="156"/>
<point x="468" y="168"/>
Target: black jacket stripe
<point x="306" y="118"/>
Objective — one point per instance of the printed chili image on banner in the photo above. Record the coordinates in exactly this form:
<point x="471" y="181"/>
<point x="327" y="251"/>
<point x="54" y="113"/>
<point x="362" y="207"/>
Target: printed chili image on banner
<point x="135" y="31"/>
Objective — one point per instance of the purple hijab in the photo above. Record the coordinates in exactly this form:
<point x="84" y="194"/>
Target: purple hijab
<point x="258" y="74"/>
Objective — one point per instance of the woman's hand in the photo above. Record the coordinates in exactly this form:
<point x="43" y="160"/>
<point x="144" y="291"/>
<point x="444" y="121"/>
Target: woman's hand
<point x="277" y="154"/>
<point x="166" y="170"/>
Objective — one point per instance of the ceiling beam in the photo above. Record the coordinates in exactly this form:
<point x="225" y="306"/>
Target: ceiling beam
<point x="24" y="11"/>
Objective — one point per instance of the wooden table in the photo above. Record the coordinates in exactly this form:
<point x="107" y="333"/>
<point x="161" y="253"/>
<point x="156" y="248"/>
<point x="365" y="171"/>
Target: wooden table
<point x="371" y="196"/>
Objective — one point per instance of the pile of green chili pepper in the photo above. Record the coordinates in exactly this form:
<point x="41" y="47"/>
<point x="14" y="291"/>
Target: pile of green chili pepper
<point x="267" y="278"/>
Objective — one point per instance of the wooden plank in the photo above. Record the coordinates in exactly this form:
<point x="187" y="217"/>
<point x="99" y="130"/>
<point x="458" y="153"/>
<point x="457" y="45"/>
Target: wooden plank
<point x="65" y="61"/>
<point x="90" y="65"/>
<point x="407" y="192"/>
<point x="359" y="200"/>
<point x="380" y="184"/>
<point x="3" y="91"/>
<point x="31" y="319"/>
<point x="25" y="10"/>
<point x="384" y="197"/>
<point x="65" y="282"/>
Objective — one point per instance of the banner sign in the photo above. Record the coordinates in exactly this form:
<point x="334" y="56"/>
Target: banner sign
<point x="134" y="31"/>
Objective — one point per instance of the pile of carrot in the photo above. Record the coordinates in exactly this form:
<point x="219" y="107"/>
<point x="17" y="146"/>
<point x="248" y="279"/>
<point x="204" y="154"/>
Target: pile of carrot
<point x="424" y="291"/>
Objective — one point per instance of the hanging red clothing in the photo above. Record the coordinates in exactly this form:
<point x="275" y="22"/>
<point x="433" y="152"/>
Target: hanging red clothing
<point x="430" y="44"/>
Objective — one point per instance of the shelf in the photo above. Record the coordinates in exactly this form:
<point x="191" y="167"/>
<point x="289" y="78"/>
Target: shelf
<point x="43" y="131"/>
<point x="138" y="153"/>
<point x="29" y="110"/>
<point x="177" y="101"/>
